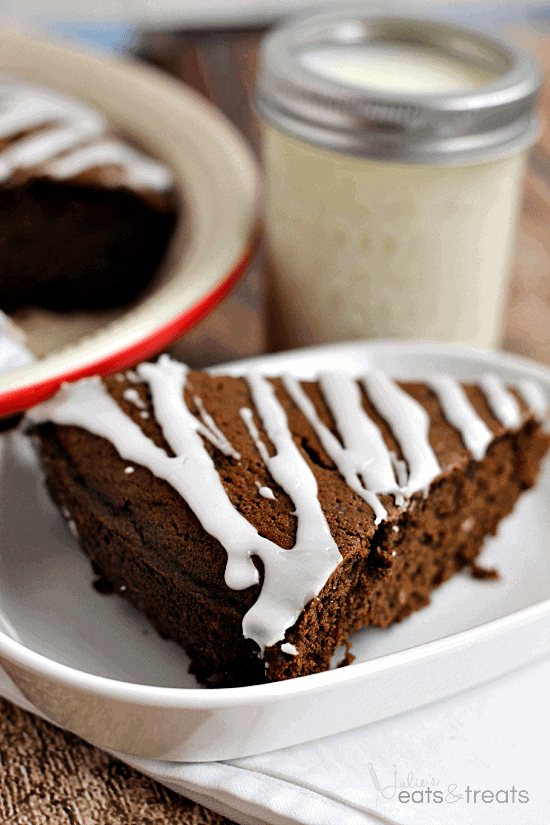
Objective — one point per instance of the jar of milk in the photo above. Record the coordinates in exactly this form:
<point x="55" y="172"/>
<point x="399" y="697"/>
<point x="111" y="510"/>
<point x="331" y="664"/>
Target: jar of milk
<point x="394" y="151"/>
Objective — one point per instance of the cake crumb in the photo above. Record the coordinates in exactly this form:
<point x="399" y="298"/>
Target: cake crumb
<point x="468" y="524"/>
<point x="348" y="657"/>
<point x="103" y="586"/>
<point x="484" y="573"/>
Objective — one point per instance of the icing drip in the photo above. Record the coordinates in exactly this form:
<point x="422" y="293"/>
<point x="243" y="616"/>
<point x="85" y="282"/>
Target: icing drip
<point x="134" y="397"/>
<point x="364" y="454"/>
<point x="458" y="411"/>
<point x="401" y="470"/>
<point x="141" y="171"/>
<point x="289" y="649"/>
<point x="248" y="418"/>
<point x="67" y="138"/>
<point x="213" y="432"/>
<point x="534" y="397"/>
<point x="299" y="573"/>
<point x="291" y="577"/>
<point x="266" y="492"/>
<point x="36" y="149"/>
<point x="502" y="403"/>
<point x="410" y="425"/>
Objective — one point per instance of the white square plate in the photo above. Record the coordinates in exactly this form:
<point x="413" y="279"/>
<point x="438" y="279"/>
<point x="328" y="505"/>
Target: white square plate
<point x="94" y="665"/>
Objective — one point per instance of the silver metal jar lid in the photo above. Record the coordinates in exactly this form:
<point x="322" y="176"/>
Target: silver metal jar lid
<point x="492" y="120"/>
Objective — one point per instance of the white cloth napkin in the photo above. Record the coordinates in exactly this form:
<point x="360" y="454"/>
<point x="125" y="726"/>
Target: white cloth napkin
<point x="494" y="739"/>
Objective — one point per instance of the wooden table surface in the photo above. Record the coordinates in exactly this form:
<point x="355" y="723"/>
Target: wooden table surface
<point x="48" y="776"/>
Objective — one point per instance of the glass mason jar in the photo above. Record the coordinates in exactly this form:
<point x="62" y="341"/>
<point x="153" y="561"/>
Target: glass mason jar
<point x="394" y="151"/>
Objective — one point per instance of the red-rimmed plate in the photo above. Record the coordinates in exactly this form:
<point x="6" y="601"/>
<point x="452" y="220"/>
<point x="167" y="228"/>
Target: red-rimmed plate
<point x="216" y="179"/>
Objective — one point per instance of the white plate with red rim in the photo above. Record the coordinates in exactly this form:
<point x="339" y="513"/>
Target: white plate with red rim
<point x="216" y="179"/>
<point x="94" y="665"/>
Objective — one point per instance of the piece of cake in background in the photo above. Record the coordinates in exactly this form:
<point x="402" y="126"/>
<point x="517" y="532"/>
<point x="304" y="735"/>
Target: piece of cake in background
<point x="85" y="216"/>
<point x="259" y="522"/>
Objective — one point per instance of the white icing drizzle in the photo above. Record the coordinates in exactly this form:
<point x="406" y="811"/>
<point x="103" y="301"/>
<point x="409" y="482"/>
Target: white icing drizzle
<point x="290" y="649"/>
<point x="213" y="432"/>
<point x="144" y="414"/>
<point x="66" y="141"/>
<point x="266" y="492"/>
<point x="364" y="454"/>
<point x="502" y="403"/>
<point x="142" y="172"/>
<point x="36" y="149"/>
<point x="410" y="425"/>
<point x="129" y="470"/>
<point x="248" y="419"/>
<point x="315" y="554"/>
<point x="135" y="398"/>
<point x="534" y="396"/>
<point x="401" y="471"/>
<point x="460" y="413"/>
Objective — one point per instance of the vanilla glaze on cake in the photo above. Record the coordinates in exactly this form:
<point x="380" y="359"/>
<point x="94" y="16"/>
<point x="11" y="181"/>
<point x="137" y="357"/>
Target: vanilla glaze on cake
<point x="294" y="576"/>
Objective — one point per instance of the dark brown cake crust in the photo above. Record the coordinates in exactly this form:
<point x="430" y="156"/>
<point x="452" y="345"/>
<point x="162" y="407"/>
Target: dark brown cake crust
<point x="142" y="535"/>
<point x="68" y="246"/>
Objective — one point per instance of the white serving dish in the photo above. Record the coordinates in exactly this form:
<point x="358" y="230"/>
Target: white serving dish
<point x="216" y="179"/>
<point x="93" y="665"/>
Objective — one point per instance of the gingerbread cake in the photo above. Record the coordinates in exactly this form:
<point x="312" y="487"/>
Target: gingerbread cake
<point x="85" y="217"/>
<point x="259" y="522"/>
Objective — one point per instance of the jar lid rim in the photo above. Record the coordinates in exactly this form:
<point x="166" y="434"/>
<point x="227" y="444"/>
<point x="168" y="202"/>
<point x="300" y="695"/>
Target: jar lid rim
<point x="289" y="92"/>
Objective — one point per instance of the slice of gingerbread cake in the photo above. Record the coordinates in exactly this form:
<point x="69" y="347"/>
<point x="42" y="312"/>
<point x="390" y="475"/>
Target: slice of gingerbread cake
<point x="85" y="217"/>
<point x="258" y="522"/>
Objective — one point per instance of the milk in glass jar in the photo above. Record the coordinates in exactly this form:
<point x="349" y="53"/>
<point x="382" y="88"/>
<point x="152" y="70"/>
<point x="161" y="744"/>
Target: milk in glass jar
<point x="394" y="152"/>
